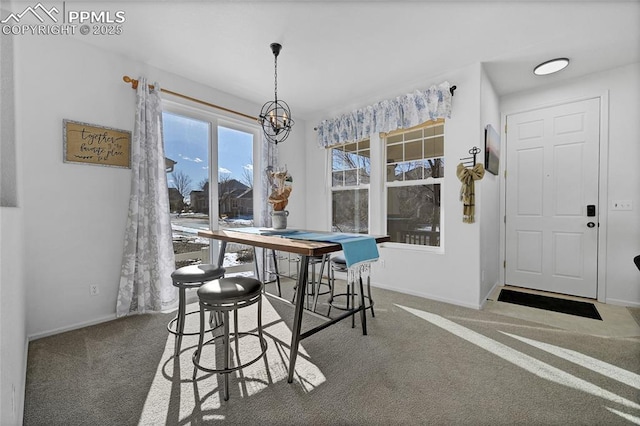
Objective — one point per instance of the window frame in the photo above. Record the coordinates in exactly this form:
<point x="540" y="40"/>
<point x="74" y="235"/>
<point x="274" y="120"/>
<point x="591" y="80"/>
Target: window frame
<point x="378" y="193"/>
<point x="418" y="182"/>
<point x="216" y="120"/>
<point x="358" y="186"/>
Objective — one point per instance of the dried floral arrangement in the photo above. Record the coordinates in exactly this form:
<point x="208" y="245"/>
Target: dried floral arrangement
<point x="280" y="182"/>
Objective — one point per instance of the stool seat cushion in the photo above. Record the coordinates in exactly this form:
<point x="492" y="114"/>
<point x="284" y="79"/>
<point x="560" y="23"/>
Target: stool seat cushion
<point x="340" y="260"/>
<point x="229" y="290"/>
<point x="197" y="273"/>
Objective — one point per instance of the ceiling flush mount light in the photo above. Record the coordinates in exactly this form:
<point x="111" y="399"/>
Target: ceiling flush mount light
<point x="549" y="67"/>
<point x="275" y="116"/>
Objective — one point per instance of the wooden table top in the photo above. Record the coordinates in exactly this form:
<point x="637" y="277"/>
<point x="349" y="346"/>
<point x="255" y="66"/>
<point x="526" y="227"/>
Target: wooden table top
<point x="281" y="242"/>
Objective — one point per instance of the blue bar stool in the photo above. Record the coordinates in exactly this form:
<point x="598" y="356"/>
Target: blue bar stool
<point x="192" y="276"/>
<point x="223" y="296"/>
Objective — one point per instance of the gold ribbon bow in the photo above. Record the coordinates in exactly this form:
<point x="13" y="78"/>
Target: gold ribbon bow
<point x="467" y="192"/>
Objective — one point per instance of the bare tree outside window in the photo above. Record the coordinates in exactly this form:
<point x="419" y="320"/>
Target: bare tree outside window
<point x="182" y="182"/>
<point x="247" y="174"/>
<point x="202" y="185"/>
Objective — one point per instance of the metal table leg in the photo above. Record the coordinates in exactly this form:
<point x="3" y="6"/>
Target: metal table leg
<point x="363" y="310"/>
<point x="297" y="319"/>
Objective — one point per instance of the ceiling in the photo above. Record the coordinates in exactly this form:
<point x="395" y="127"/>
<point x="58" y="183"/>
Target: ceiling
<point x="352" y="53"/>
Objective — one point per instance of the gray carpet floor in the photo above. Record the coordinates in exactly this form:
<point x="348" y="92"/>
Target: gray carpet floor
<point x="422" y="363"/>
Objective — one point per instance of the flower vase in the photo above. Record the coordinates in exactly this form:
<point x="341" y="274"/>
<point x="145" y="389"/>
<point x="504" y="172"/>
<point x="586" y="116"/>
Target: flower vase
<point x="279" y="219"/>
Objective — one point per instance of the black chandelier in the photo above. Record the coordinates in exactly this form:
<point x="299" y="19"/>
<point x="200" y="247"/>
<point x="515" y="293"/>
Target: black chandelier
<point x="275" y="116"/>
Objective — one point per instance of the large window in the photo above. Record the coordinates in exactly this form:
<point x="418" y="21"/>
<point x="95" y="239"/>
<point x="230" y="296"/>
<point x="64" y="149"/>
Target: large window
<point x="391" y="184"/>
<point x="208" y="158"/>
<point x="414" y="160"/>
<point x="350" y="173"/>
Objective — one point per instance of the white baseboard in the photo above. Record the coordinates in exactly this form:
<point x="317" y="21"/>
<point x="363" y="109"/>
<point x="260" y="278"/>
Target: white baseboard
<point x="428" y="296"/>
<point x="483" y="302"/>
<point x="20" y="403"/>
<point x="623" y="303"/>
<point x="95" y="321"/>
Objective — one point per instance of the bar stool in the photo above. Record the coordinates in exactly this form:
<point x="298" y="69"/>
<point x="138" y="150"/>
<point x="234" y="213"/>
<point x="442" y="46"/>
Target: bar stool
<point x="339" y="263"/>
<point x="222" y="296"/>
<point x="192" y="276"/>
<point x="322" y="260"/>
<point x="312" y="283"/>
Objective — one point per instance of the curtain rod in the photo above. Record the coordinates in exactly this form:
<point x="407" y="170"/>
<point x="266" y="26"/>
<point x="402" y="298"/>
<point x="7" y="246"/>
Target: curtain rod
<point x="134" y="85"/>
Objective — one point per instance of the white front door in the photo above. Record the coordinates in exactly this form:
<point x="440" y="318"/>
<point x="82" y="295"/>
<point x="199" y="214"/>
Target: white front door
<point x="552" y="178"/>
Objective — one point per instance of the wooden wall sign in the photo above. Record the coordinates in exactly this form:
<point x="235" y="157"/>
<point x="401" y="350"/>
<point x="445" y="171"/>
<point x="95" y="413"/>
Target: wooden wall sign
<point x="91" y="144"/>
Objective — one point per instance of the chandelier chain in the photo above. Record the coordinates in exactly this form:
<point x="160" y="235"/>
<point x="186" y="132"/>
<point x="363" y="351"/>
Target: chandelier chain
<point x="275" y="77"/>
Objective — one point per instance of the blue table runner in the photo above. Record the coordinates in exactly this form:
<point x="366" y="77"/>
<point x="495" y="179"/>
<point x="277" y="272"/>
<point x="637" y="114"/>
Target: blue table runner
<point x="357" y="248"/>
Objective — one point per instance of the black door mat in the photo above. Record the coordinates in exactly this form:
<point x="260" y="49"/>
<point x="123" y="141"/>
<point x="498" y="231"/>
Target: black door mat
<point x="571" y="307"/>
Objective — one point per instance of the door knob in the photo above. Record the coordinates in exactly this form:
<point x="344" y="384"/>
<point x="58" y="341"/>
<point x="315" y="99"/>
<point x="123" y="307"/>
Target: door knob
<point x="591" y="225"/>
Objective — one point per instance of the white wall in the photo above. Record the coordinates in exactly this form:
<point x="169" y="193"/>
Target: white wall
<point x="451" y="276"/>
<point x="75" y="215"/>
<point x="488" y="200"/>
<point x="620" y="279"/>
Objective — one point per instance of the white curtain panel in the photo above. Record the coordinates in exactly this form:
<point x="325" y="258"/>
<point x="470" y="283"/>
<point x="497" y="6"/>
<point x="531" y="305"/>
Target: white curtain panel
<point x="385" y="116"/>
<point x="148" y="259"/>
<point x="269" y="161"/>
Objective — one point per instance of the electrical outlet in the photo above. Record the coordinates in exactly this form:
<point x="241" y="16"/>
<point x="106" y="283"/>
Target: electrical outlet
<point x="622" y="205"/>
<point x="383" y="264"/>
<point x="94" y="290"/>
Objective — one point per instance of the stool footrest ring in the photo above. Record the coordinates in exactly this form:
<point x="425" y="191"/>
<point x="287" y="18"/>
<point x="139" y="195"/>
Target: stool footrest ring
<point x="263" y="345"/>
<point x="171" y="330"/>
<point x="343" y="307"/>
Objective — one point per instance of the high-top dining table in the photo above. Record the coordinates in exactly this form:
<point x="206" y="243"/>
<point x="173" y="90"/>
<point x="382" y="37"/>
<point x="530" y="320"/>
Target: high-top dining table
<point x="305" y="249"/>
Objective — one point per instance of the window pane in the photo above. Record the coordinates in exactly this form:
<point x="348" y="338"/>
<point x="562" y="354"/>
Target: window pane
<point x="436" y="166"/>
<point x="365" y="176"/>
<point x="413" y="214"/>
<point x="350" y="211"/>
<point x="364" y="159"/>
<point x="396" y="138"/>
<point x="415" y="170"/>
<point x="186" y="145"/>
<point x="429" y="131"/>
<point x="351" y="177"/>
<point x="413" y="151"/>
<point x="351" y="147"/>
<point x="409" y="136"/>
<point x="394" y="153"/>
<point x="391" y="173"/>
<point x="337" y="158"/>
<point x="434" y="147"/>
<point x="235" y="191"/>
<point x="355" y="160"/>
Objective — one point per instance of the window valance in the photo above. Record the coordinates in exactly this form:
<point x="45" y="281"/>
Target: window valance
<point x="387" y="115"/>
